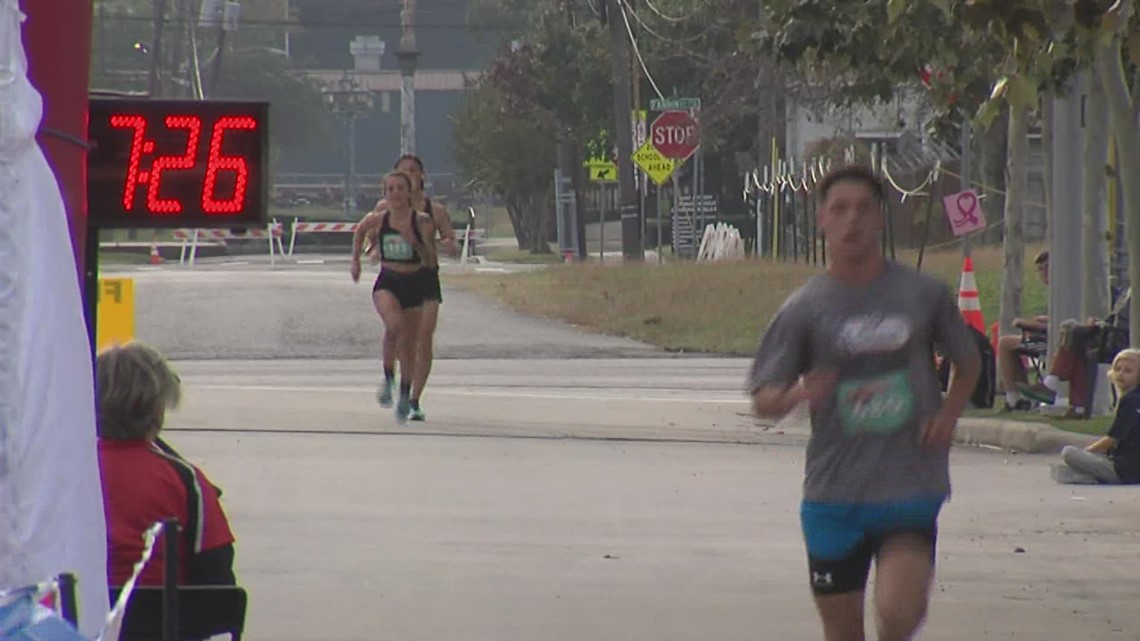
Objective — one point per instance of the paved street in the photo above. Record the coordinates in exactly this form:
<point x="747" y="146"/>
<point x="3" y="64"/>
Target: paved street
<point x="566" y="486"/>
<point x="374" y="536"/>
<point x="247" y="310"/>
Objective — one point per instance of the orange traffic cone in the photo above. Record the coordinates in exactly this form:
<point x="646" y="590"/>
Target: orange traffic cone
<point x="968" y="300"/>
<point x="155" y="258"/>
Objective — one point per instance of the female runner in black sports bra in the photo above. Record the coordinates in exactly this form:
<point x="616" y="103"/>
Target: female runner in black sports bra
<point x="398" y="234"/>
<point x="433" y="296"/>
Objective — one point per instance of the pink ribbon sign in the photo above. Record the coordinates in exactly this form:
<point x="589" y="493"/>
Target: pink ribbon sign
<point x="964" y="212"/>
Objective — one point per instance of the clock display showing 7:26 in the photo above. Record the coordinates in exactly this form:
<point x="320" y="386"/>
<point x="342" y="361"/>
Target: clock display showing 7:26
<point x="177" y="163"/>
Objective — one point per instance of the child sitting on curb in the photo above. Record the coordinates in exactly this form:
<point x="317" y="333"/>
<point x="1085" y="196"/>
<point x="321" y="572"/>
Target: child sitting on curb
<point x="1113" y="459"/>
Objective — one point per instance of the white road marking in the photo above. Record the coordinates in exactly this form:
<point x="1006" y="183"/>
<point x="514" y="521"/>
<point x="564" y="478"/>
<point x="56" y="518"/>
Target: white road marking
<point x="491" y="394"/>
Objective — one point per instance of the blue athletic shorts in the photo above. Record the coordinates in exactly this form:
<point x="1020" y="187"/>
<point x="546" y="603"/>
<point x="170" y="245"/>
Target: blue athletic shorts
<point x="843" y="538"/>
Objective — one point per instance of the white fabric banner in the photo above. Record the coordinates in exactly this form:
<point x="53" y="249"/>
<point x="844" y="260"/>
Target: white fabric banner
<point x="51" y="505"/>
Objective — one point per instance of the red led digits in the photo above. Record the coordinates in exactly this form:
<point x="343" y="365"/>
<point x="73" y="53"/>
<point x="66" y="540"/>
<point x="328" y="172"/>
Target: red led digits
<point x="176" y="163"/>
<point x="218" y="162"/>
<point x="138" y="123"/>
<point x="163" y="163"/>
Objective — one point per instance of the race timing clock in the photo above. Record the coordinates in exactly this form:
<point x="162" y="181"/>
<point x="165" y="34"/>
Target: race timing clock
<point x="177" y="163"/>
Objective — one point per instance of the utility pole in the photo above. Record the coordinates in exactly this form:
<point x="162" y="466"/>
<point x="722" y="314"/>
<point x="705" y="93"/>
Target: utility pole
<point x="1095" y="298"/>
<point x="408" y="55"/>
<point x="566" y="187"/>
<point x="177" y="48"/>
<point x="636" y="126"/>
<point x="1065" y="277"/>
<point x="623" y="130"/>
<point x="964" y="169"/>
<point x="216" y="73"/>
<point x="154" y="83"/>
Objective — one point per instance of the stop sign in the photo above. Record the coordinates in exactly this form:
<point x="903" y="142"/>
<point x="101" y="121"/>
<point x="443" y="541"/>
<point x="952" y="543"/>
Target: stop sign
<point x="675" y="134"/>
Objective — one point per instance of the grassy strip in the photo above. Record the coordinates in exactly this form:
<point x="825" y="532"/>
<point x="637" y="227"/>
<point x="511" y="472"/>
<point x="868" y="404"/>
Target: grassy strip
<point x="520" y="256"/>
<point x="721" y="308"/>
<point x="1095" y="426"/>
<point x="717" y="308"/>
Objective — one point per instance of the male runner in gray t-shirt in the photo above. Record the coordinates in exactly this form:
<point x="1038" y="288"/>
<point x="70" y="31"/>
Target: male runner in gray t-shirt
<point x="858" y="344"/>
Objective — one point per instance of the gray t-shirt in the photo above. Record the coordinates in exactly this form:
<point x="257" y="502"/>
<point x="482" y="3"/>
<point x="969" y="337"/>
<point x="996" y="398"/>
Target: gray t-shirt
<point x="879" y="340"/>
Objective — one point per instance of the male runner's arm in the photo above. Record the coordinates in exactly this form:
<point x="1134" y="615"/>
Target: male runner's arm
<point x="780" y="379"/>
<point x="775" y="401"/>
<point x="442" y="222"/>
<point x="952" y="336"/>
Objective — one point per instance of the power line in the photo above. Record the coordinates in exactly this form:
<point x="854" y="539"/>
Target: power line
<point x="636" y="50"/>
<point x="501" y="26"/>
<point x="665" y="17"/>
<point x="666" y="38"/>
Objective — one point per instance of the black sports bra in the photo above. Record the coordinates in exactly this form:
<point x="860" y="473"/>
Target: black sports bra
<point x="394" y="248"/>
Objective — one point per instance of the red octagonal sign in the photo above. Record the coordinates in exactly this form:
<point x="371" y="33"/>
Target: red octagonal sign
<point x="676" y="135"/>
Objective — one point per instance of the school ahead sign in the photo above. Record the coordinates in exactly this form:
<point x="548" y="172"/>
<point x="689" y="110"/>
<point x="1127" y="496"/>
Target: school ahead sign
<point x="657" y="167"/>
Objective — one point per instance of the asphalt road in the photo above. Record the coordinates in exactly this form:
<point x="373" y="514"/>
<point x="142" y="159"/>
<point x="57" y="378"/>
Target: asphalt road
<point x="566" y="486"/>
<point x="409" y="537"/>
<point x="250" y="311"/>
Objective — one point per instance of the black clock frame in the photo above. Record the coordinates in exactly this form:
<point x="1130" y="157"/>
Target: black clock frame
<point x="100" y="216"/>
<point x="106" y="173"/>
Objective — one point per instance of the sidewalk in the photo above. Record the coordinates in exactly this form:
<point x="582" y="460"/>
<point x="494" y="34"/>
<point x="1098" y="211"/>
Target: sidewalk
<point x="1020" y="436"/>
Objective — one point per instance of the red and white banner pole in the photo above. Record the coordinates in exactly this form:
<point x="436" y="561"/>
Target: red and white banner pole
<point x="57" y="39"/>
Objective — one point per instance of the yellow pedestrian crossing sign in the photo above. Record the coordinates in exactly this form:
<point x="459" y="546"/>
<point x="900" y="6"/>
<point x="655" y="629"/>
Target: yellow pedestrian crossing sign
<point x="601" y="170"/>
<point x="657" y="167"/>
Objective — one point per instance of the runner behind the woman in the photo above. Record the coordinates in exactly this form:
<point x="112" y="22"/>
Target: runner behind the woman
<point x="398" y="234"/>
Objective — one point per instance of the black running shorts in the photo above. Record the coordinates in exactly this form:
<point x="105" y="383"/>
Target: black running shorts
<point x="407" y="288"/>
<point x="432" y="288"/>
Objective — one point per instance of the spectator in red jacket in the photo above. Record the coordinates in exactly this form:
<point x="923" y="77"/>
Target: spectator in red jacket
<point x="1010" y="369"/>
<point x="145" y="481"/>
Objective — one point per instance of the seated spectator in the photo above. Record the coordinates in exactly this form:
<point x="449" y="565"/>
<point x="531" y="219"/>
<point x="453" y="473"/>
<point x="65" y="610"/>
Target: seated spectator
<point x="1113" y="459"/>
<point x="1011" y="370"/>
<point x="144" y="481"/>
<point x="1071" y="362"/>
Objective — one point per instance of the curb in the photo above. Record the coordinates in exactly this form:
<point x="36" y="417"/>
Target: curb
<point x="1030" y="438"/>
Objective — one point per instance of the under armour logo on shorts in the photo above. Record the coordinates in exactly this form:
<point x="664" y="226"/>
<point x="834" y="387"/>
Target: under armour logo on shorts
<point x="822" y="579"/>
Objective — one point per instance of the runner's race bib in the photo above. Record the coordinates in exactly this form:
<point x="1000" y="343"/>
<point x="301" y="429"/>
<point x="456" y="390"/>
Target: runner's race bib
<point x="396" y="248"/>
<point x="877" y="405"/>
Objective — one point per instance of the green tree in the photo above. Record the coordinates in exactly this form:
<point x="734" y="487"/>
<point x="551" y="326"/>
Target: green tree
<point x="700" y="48"/>
<point x="983" y="58"/>
<point x="1023" y="35"/>
<point x="551" y="67"/>
<point x="863" y="53"/>
<point x="1044" y="42"/>
<point x="1113" y="34"/>
<point x="510" y="152"/>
